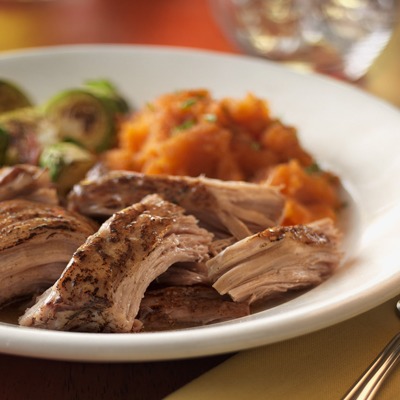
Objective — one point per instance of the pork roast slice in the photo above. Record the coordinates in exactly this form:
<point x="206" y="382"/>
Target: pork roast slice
<point x="103" y="284"/>
<point x="28" y="182"/>
<point x="275" y="261"/>
<point x="37" y="241"/>
<point x="238" y="208"/>
<point x="185" y="274"/>
<point x="177" y="307"/>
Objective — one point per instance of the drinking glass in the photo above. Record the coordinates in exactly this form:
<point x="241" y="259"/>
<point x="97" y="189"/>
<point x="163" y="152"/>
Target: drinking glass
<point x="335" y="37"/>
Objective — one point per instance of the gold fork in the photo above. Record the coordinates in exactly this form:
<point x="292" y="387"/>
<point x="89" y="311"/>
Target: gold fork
<point x="371" y="380"/>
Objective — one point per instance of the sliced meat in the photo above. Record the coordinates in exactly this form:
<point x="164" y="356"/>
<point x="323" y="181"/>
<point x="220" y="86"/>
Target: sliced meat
<point x="182" y="307"/>
<point x="238" y="208"/>
<point x="185" y="274"/>
<point x="103" y="284"/>
<point x="37" y="241"/>
<point x="28" y="182"/>
<point x="275" y="261"/>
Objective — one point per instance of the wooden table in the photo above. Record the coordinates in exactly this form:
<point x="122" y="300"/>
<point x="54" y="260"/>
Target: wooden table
<point x="173" y="22"/>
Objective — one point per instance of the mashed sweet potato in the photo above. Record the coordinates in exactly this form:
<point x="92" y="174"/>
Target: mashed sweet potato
<point x="190" y="133"/>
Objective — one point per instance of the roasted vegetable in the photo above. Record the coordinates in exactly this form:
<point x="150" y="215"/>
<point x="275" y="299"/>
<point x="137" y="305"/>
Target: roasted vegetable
<point x="108" y="92"/>
<point x="12" y="97"/>
<point x="22" y="127"/>
<point x="87" y="116"/>
<point x="67" y="164"/>
<point x="4" y="141"/>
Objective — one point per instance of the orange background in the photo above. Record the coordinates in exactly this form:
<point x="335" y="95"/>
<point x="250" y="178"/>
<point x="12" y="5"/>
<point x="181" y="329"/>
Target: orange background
<point x="186" y="23"/>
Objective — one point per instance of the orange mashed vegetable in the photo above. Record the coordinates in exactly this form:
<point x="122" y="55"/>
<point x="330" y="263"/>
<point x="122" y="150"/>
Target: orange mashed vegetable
<point x="190" y="133"/>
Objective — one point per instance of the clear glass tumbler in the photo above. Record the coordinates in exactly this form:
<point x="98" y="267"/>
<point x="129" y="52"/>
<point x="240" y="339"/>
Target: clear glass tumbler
<point x="335" y="37"/>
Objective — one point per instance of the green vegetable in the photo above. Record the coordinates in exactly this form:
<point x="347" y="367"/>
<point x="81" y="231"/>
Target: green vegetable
<point x="12" y="97"/>
<point x="255" y="146"/>
<point x="313" y="168"/>
<point x="4" y="141"/>
<point x="189" y="103"/>
<point x="185" y="125"/>
<point x="26" y="132"/>
<point x="210" y="117"/>
<point x="82" y="117"/>
<point x="87" y="116"/>
<point x="109" y="93"/>
<point x="67" y="164"/>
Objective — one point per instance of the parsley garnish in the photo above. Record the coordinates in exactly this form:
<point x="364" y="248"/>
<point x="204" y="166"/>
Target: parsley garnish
<point x="150" y="106"/>
<point x="313" y="168"/>
<point x="210" y="117"/>
<point x="184" y="125"/>
<point x="188" y="103"/>
<point x="255" y="146"/>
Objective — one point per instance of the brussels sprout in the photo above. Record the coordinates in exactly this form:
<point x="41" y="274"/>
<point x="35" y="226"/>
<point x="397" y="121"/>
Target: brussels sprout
<point x="12" y="97"/>
<point x="108" y="92"/>
<point x="82" y="117"/>
<point x="4" y="141"/>
<point x="22" y="127"/>
<point x="67" y="164"/>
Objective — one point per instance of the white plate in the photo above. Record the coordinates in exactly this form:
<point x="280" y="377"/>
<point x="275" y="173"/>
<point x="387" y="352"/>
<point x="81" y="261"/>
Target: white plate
<point x="355" y="134"/>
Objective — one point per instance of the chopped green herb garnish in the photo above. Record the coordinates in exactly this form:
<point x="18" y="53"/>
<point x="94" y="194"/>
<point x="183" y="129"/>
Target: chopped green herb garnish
<point x="185" y="125"/>
<point x="255" y="146"/>
<point x="150" y="106"/>
<point x="210" y="117"/>
<point x="312" y="169"/>
<point x="188" y="103"/>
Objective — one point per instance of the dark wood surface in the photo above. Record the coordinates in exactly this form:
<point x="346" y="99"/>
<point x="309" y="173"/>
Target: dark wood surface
<point x="59" y="22"/>
<point x="27" y="378"/>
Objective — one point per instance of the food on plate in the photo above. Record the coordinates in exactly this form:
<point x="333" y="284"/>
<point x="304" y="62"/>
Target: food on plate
<point x="235" y="208"/>
<point x="88" y="116"/>
<point x="275" y="261"/>
<point x="67" y="163"/>
<point x="37" y="241"/>
<point x="28" y="182"/>
<point x="187" y="212"/>
<point x="177" y="307"/>
<point x="12" y="97"/>
<point x="311" y="194"/>
<point x="103" y="284"/>
<point x="191" y="133"/>
<point x="4" y="139"/>
<point x="187" y="274"/>
<point x="185" y="133"/>
<point x="24" y="132"/>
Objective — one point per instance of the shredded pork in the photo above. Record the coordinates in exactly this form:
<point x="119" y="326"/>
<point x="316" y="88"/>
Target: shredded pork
<point x="103" y="284"/>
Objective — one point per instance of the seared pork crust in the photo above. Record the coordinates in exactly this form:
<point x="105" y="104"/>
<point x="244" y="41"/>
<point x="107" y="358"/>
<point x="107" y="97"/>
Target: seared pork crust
<point x="235" y="208"/>
<point x="275" y="261"/>
<point x="103" y="284"/>
<point x="37" y="241"/>
<point x="178" y="307"/>
<point x="28" y="182"/>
